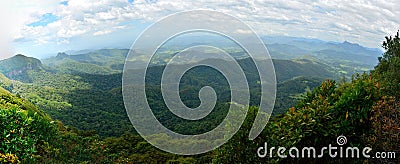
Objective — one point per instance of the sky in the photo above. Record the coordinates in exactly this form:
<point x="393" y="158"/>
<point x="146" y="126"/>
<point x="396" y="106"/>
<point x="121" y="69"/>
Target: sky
<point x="41" y="28"/>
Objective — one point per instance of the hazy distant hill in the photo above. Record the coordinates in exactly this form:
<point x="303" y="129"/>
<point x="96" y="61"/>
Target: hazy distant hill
<point x="105" y="61"/>
<point x="346" y="58"/>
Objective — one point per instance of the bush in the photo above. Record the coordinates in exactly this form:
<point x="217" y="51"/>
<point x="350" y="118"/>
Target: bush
<point x="386" y="125"/>
<point x="23" y="132"/>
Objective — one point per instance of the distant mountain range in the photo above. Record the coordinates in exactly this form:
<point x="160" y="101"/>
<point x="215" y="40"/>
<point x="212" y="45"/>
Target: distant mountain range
<point x="345" y="58"/>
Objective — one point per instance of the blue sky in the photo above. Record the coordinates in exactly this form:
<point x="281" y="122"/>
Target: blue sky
<point x="41" y="28"/>
<point x="45" y="20"/>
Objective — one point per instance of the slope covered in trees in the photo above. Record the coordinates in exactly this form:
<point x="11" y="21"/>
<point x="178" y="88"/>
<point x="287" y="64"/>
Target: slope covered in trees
<point x="24" y="129"/>
<point x="91" y="101"/>
<point x="28" y="135"/>
<point x="17" y="67"/>
<point x="365" y="109"/>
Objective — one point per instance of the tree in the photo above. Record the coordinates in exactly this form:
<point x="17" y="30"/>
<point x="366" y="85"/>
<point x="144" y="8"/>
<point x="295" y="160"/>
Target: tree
<point x="388" y="69"/>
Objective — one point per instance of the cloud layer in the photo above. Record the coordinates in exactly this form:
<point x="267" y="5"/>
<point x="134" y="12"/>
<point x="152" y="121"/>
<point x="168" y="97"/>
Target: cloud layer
<point x="365" y="22"/>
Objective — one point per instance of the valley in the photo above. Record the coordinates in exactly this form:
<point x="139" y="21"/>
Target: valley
<point x="84" y="90"/>
<point x="82" y="93"/>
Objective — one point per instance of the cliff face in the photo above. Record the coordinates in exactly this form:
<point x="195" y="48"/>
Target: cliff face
<point x="17" y="67"/>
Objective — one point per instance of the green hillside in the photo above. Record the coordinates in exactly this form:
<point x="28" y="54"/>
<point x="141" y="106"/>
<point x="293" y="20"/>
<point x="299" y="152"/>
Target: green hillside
<point x="17" y="67"/>
<point x="28" y="135"/>
<point x="5" y="82"/>
<point x="105" y="61"/>
<point x="69" y="114"/>
<point x="92" y="100"/>
<point x="24" y="129"/>
<point x="11" y="101"/>
<point x="365" y="110"/>
<point x="72" y="67"/>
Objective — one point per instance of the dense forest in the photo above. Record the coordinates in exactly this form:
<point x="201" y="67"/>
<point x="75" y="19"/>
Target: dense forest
<point x="94" y="101"/>
<point x="51" y="114"/>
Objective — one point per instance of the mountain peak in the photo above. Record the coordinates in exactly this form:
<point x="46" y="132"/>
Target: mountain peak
<point x="61" y="55"/>
<point x="16" y="67"/>
<point x="20" y="55"/>
<point x="349" y="44"/>
<point x="346" y="42"/>
<point x="22" y="58"/>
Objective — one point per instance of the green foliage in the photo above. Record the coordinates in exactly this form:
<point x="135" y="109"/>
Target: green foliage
<point x="133" y="148"/>
<point x="5" y="83"/>
<point x="16" y="67"/>
<point x="239" y="147"/>
<point x="76" y="146"/>
<point x="388" y="68"/>
<point x="386" y="127"/>
<point x="73" y="67"/>
<point x="83" y="91"/>
<point x="328" y="112"/>
<point x="319" y="118"/>
<point x="311" y="123"/>
<point x="90" y="102"/>
<point x="354" y="104"/>
<point x="23" y="131"/>
<point x="104" y="61"/>
<point x="9" y="158"/>
<point x="290" y="92"/>
<point x="94" y="102"/>
<point x="15" y="137"/>
<point x="29" y="136"/>
<point x="288" y="69"/>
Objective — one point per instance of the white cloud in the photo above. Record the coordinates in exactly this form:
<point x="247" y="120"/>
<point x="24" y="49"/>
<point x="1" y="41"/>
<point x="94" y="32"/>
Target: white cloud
<point x="343" y="26"/>
<point x="241" y="31"/>
<point x="366" y="22"/>
<point x="14" y="14"/>
<point x="102" y="32"/>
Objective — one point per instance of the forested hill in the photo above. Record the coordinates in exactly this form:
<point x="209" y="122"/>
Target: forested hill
<point x="364" y="109"/>
<point x="104" y="61"/>
<point x="17" y="67"/>
<point x="28" y="135"/>
<point x="24" y="128"/>
<point x="84" y="89"/>
<point x="82" y="99"/>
